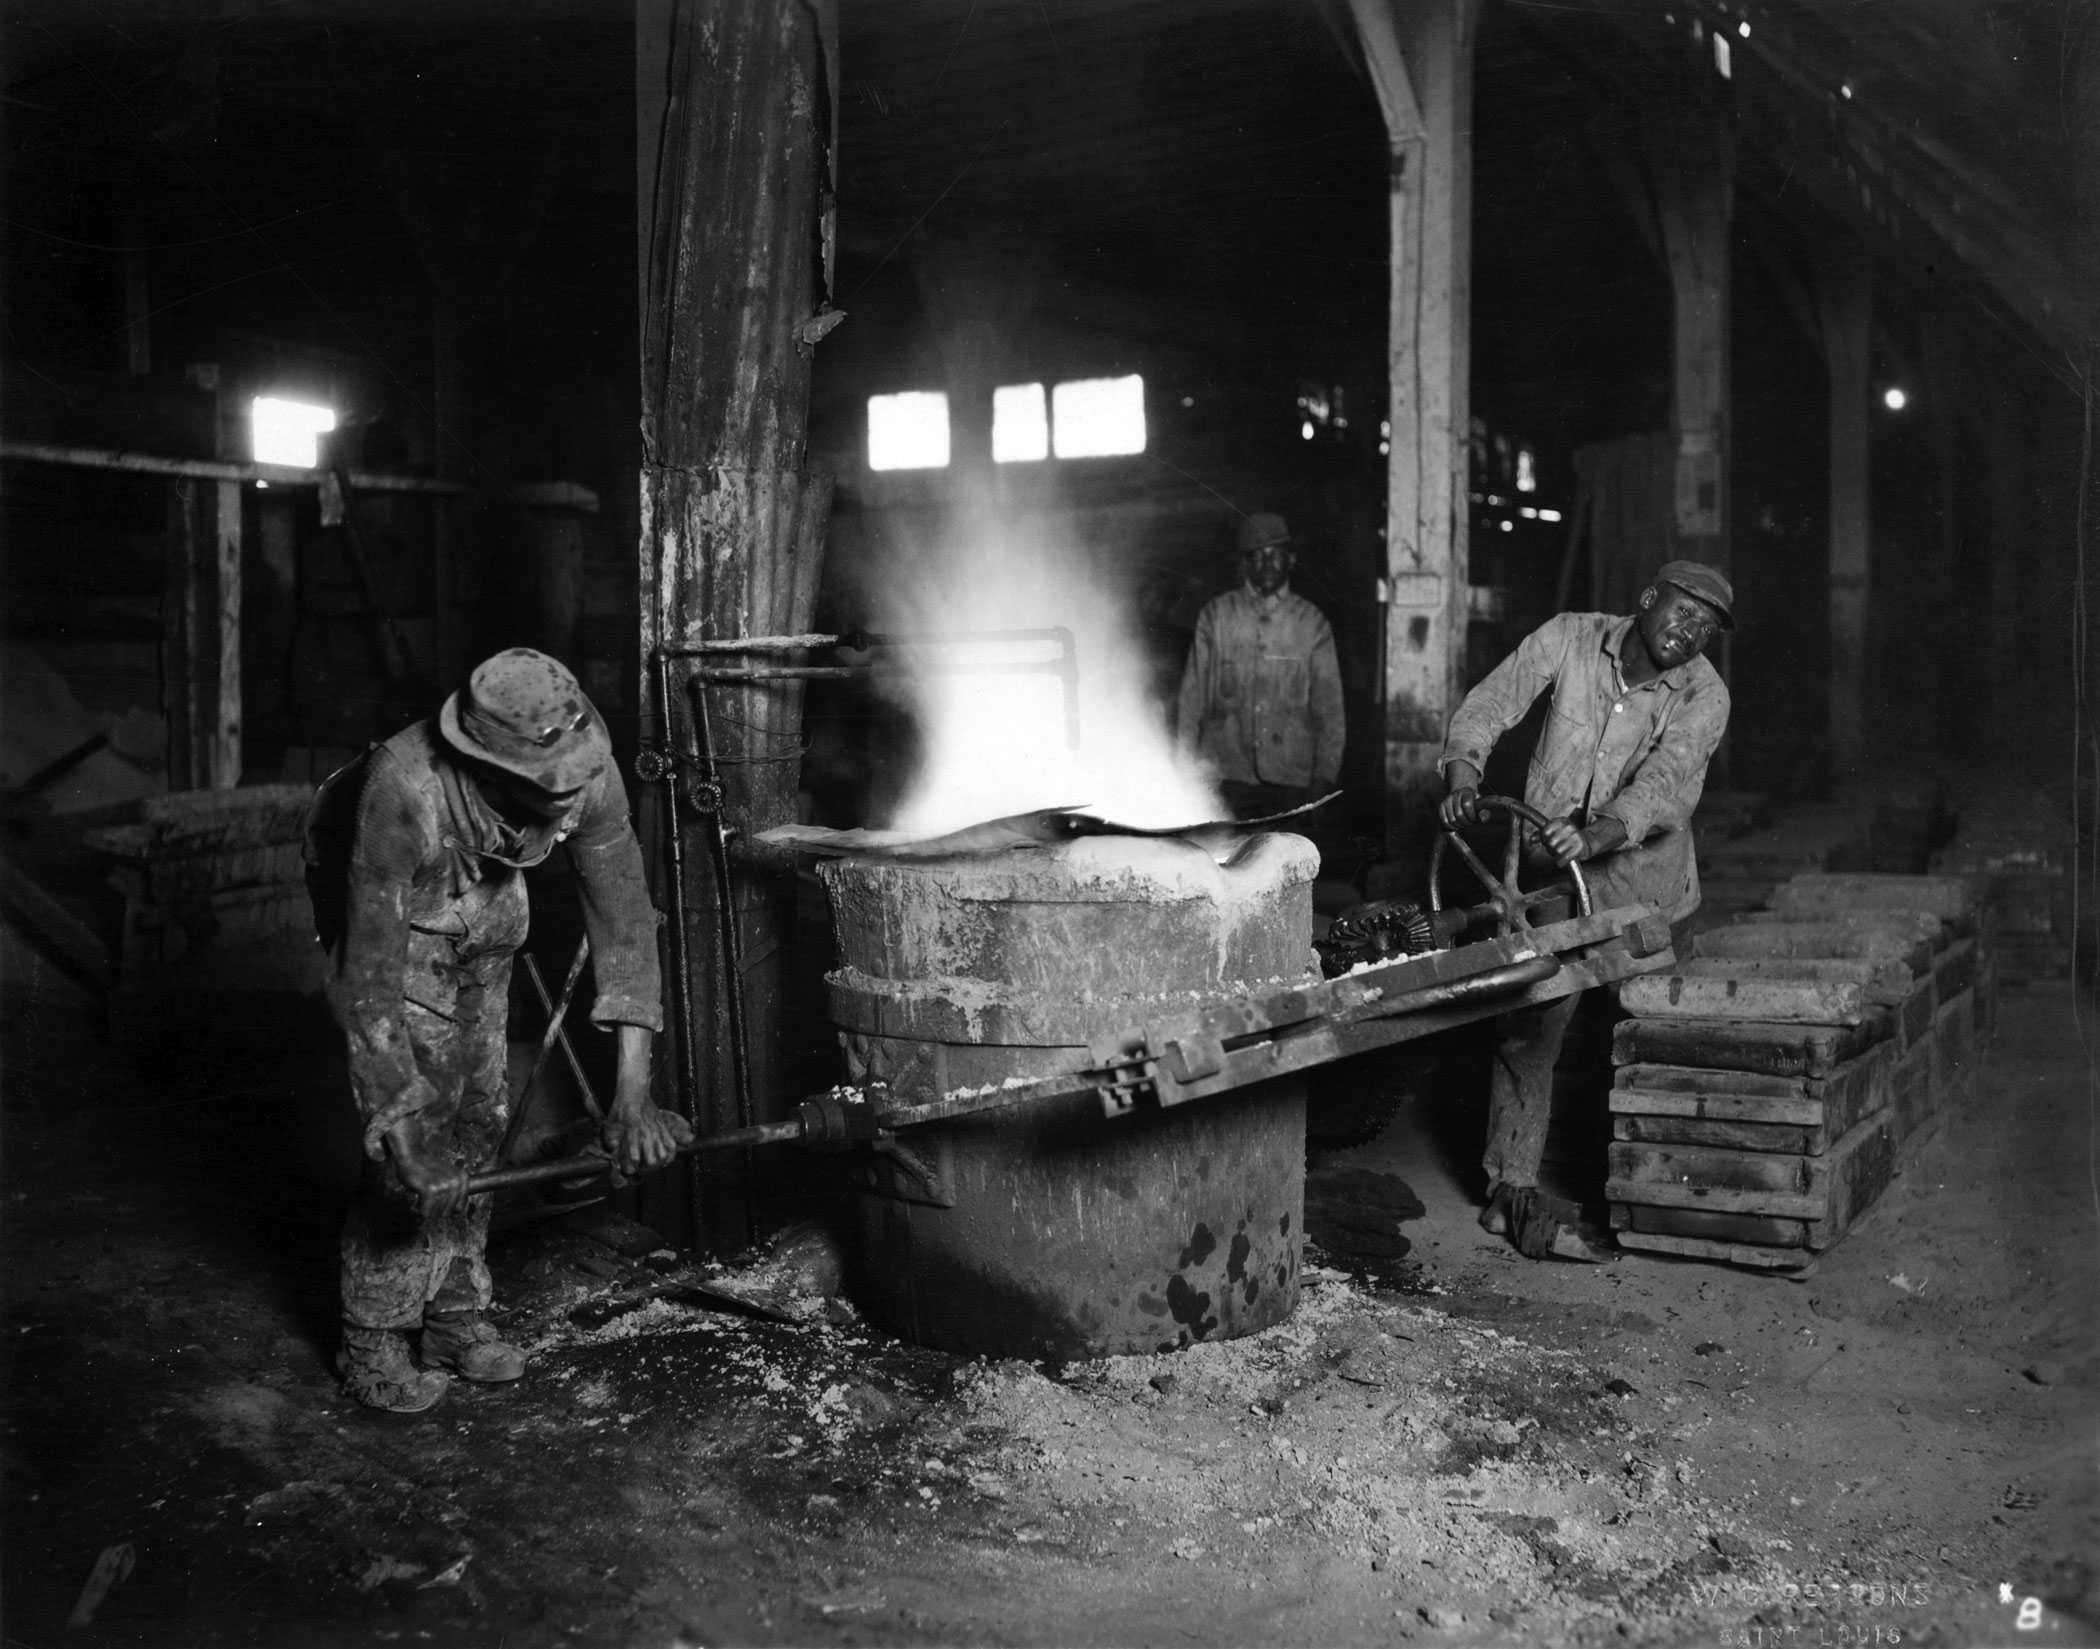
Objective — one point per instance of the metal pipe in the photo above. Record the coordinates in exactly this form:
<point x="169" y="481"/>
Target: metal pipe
<point x="687" y="1051"/>
<point x="589" y="1167"/>
<point x="557" y="1016"/>
<point x="719" y="676"/>
<point x="732" y="938"/>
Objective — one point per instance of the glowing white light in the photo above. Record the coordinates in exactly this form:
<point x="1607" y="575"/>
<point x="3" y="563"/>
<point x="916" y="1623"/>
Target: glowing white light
<point x="1527" y="471"/>
<point x="1305" y="430"/>
<point x="995" y="741"/>
<point x="1846" y="89"/>
<point x="287" y="432"/>
<point x="1743" y="28"/>
<point x="1894" y="399"/>
<point x="1528" y="513"/>
<point x="908" y="431"/>
<point x="1721" y="57"/>
<point x="1508" y="525"/>
<point x="1549" y="515"/>
<point x="1020" y="424"/>
<point x="1098" y="417"/>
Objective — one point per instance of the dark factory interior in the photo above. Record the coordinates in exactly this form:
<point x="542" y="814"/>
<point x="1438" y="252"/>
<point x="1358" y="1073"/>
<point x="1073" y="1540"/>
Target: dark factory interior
<point x="1007" y="1120"/>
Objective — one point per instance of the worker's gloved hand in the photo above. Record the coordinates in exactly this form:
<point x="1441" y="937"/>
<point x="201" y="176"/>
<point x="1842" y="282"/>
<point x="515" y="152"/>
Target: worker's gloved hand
<point x="1460" y="806"/>
<point x="644" y="1136"/>
<point x="426" y="1168"/>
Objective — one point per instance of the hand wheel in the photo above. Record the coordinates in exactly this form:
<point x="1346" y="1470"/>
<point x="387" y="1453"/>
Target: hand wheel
<point x="1506" y="901"/>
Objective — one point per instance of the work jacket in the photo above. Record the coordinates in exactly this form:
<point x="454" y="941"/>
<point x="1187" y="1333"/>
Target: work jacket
<point x="1636" y="754"/>
<point x="1261" y="694"/>
<point x="433" y="893"/>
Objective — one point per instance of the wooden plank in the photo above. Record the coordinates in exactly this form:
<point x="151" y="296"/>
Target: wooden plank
<point x="1913" y="1017"/>
<point x="1797" y="1109"/>
<point x="1748" y="937"/>
<point x="1954" y="1047"/>
<point x="1832" y="1190"/>
<point x="1955" y="969"/>
<point x="1645" y="1129"/>
<point x="223" y="760"/>
<point x="1776" y="1050"/>
<point x="1823" y="1111"/>
<point x="1709" y="1168"/>
<point x="1914" y="1092"/>
<point x="1859" y="1168"/>
<point x="1817" y="895"/>
<point x="1700" y="1248"/>
<point x="1884" y="982"/>
<point x="1767" y="1000"/>
<point x="1700" y="1079"/>
<point x="1701" y="1222"/>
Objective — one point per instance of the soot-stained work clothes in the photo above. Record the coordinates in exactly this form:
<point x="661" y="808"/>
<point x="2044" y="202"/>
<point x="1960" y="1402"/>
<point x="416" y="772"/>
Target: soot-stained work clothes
<point x="419" y="979"/>
<point x="1261" y="693"/>
<point x="1636" y="754"/>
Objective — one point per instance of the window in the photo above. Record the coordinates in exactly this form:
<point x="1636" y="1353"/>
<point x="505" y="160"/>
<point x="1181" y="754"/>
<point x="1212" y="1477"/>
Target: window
<point x="1098" y="417"/>
<point x="908" y="431"/>
<point x="1020" y="424"/>
<point x="287" y="432"/>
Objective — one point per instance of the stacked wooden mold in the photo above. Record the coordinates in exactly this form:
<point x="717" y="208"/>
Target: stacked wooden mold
<point x="1766" y="1088"/>
<point x="2018" y="843"/>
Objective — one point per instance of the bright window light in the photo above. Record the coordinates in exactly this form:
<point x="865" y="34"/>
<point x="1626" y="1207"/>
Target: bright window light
<point x="1721" y="56"/>
<point x="1527" y="471"/>
<point x="287" y="432"/>
<point x="1098" y="417"/>
<point x="1020" y="424"/>
<point x="908" y="431"/>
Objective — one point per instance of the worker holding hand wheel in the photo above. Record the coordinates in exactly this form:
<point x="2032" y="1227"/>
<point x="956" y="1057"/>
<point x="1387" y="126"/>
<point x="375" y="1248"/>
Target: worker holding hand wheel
<point x="416" y="856"/>
<point x="1636" y="714"/>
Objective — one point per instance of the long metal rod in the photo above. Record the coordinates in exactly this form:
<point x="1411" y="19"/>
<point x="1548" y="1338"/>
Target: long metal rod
<point x="862" y="640"/>
<point x="687" y="1051"/>
<point x="732" y="936"/>
<point x="718" y="675"/>
<point x="557" y="1016"/>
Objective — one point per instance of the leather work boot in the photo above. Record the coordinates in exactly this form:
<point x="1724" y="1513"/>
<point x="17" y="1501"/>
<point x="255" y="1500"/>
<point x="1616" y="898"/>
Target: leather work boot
<point x="462" y="1342"/>
<point x="379" y="1373"/>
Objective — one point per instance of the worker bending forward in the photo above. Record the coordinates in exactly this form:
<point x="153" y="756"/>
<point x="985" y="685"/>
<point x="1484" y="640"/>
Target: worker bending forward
<point x="416" y="856"/>
<point x="1636" y="715"/>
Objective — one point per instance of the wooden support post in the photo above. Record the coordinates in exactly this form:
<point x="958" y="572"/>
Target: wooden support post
<point x="201" y="634"/>
<point x="736" y="108"/>
<point x="1845" y="306"/>
<point x="1691" y="165"/>
<point x="1421" y="60"/>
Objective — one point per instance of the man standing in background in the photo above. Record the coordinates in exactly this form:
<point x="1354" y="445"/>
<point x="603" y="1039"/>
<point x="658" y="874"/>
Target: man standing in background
<point x="1261" y="694"/>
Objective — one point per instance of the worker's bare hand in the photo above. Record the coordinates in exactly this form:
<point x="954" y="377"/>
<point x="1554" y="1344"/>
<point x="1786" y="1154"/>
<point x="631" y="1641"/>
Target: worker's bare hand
<point x="427" y="1169"/>
<point x="1564" y="842"/>
<point x="1461" y="806"/>
<point x="641" y="1137"/>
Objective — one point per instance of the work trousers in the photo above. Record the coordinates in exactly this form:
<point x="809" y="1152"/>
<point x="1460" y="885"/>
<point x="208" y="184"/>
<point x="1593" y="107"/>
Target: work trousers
<point x="1520" y="1090"/>
<point x="396" y="1264"/>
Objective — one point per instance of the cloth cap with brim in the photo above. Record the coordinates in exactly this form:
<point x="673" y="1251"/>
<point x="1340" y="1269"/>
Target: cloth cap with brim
<point x="523" y="712"/>
<point x="1696" y="578"/>
<point x="1259" y="531"/>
